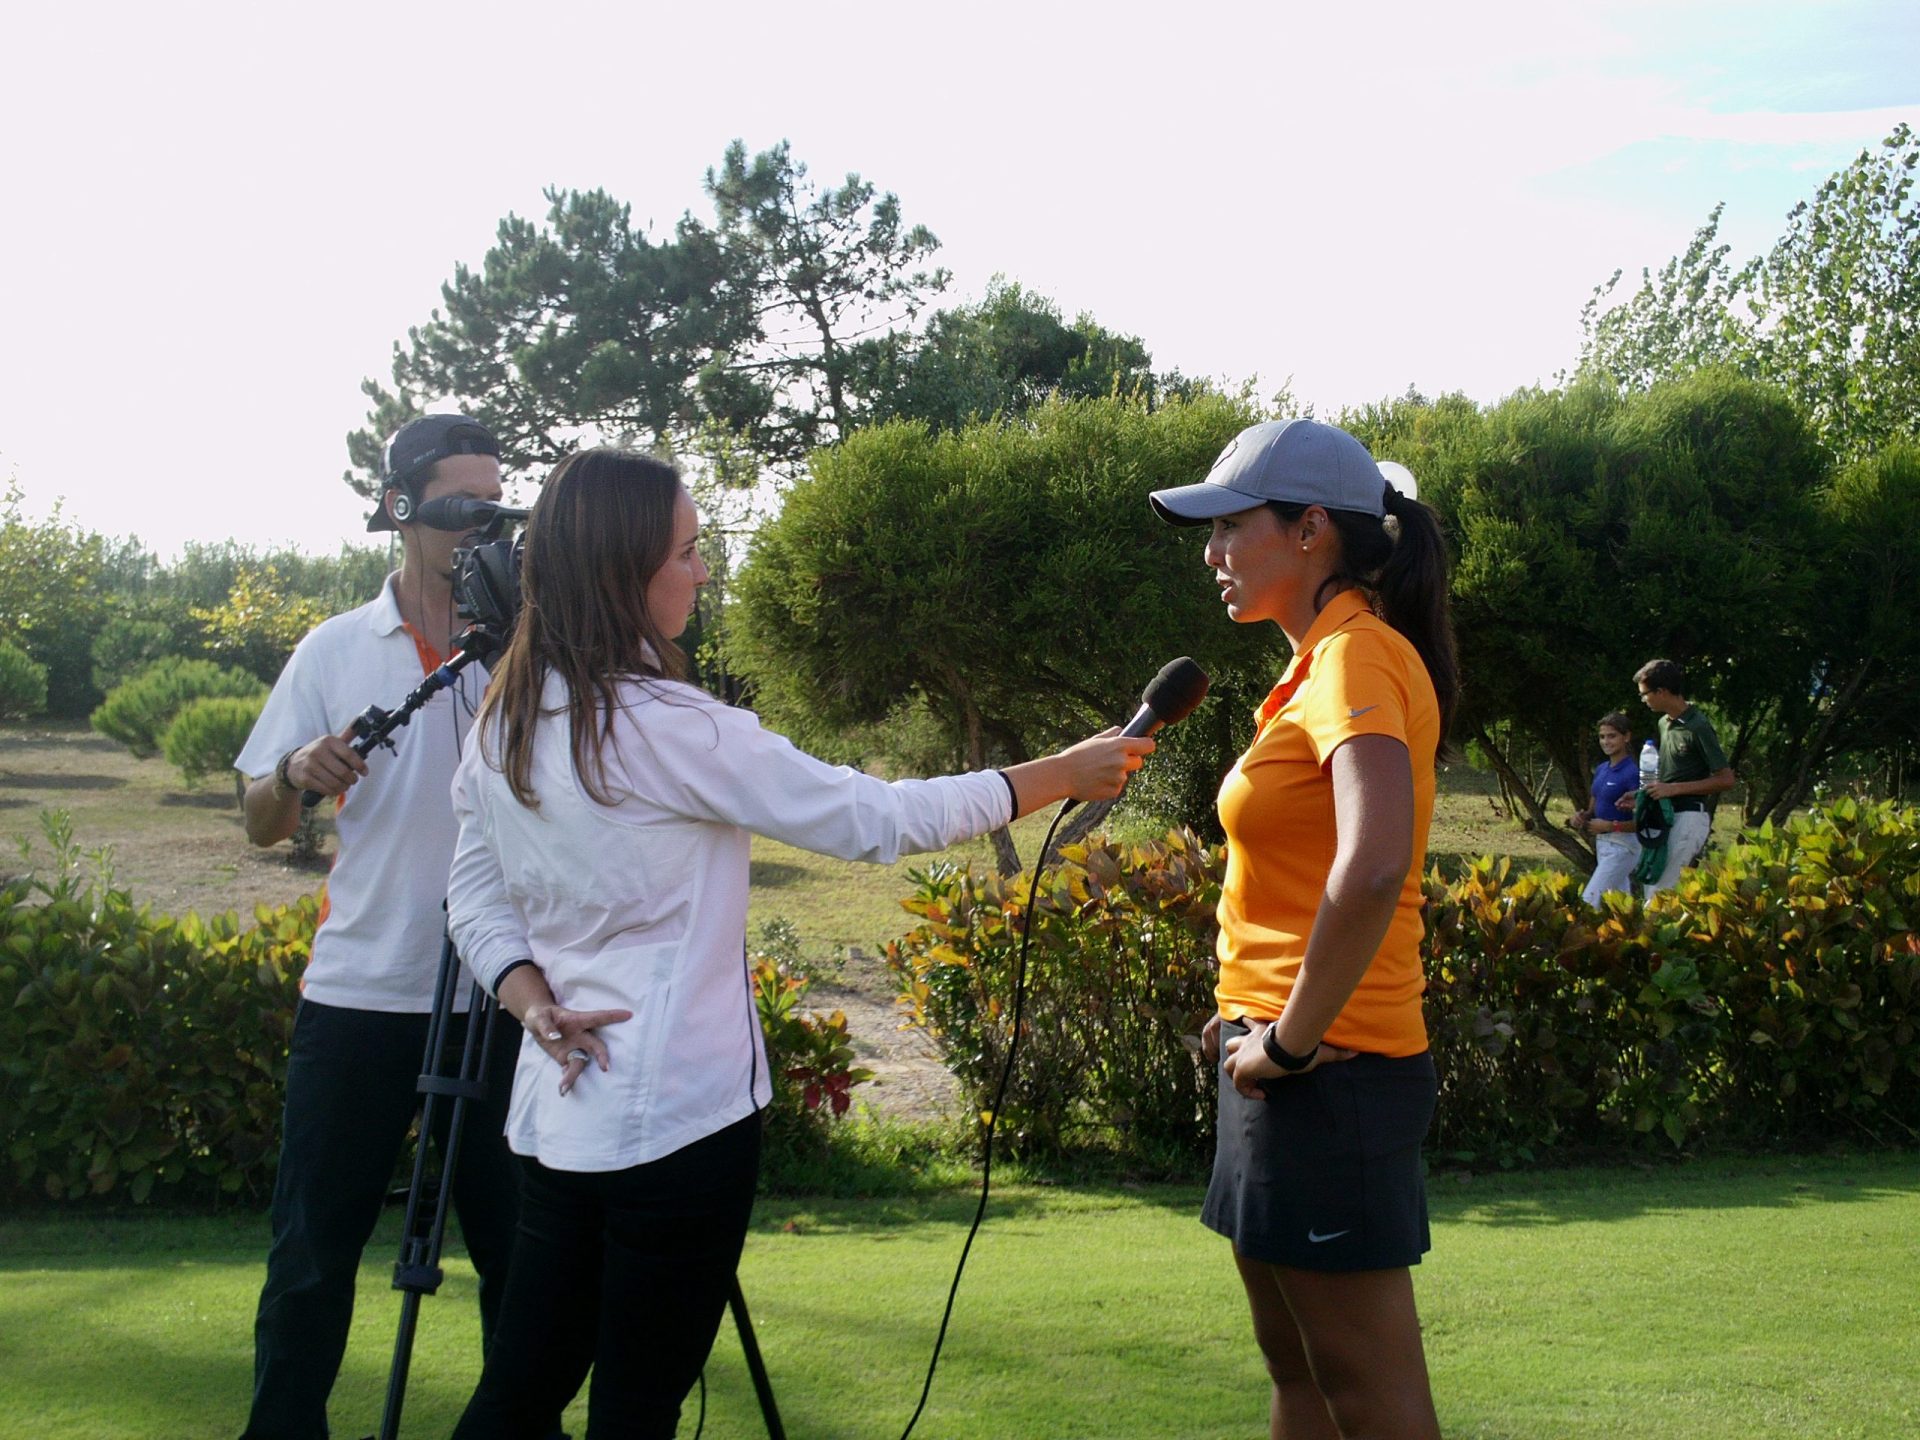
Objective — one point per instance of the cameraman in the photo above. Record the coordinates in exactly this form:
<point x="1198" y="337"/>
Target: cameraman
<point x="360" y="1030"/>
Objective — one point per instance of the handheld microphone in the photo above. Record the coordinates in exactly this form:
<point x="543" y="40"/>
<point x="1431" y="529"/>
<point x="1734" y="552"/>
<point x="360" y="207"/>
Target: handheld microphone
<point x="463" y="512"/>
<point x="1171" y="696"/>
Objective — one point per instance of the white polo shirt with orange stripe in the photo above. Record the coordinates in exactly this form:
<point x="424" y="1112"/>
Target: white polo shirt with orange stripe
<point x="378" y="945"/>
<point x="1354" y="675"/>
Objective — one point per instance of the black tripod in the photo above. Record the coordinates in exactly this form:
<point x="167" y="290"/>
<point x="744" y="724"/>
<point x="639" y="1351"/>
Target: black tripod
<point x="417" y="1272"/>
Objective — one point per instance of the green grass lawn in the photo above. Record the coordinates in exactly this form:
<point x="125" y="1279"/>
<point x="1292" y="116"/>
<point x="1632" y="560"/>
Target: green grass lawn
<point x="1729" y="1299"/>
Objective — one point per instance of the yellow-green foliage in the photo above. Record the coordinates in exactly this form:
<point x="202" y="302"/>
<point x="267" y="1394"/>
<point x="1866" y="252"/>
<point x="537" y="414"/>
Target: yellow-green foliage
<point x="259" y="623"/>
<point x="1120" y="982"/>
<point x="1772" y="998"/>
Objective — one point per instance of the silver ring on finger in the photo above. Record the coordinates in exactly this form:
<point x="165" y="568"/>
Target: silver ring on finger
<point x="578" y="1054"/>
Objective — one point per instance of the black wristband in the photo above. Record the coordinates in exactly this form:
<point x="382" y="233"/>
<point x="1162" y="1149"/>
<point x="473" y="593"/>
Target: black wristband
<point x="1285" y="1059"/>
<point x="1013" y="796"/>
<point x="282" y="781"/>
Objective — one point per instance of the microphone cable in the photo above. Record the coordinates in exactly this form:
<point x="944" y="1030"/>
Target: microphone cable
<point x="993" y="1115"/>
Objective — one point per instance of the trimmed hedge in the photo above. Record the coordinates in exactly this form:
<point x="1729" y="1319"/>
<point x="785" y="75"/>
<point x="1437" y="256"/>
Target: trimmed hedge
<point x="1120" y="981"/>
<point x="144" y="1056"/>
<point x="140" y="1053"/>
<point x="208" y="734"/>
<point x="138" y="713"/>
<point x="1772" y="998"/>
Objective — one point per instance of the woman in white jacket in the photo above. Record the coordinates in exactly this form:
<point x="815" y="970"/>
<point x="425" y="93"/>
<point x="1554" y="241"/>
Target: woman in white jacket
<point x="600" y="890"/>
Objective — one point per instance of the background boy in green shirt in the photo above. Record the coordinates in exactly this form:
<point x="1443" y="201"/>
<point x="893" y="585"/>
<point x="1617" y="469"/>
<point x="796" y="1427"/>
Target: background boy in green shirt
<point x="1693" y="768"/>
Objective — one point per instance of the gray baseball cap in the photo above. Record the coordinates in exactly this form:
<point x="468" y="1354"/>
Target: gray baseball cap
<point x="1299" y="462"/>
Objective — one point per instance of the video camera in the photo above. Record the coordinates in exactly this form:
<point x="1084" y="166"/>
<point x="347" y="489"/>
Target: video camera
<point x="486" y="576"/>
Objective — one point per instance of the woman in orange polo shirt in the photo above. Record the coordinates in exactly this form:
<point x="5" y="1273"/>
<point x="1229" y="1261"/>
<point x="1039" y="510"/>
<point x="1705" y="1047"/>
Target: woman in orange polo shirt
<point x="1327" y="1087"/>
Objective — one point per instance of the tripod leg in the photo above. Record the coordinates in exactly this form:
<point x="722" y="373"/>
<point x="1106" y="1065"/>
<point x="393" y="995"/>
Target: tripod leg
<point x="756" y="1367"/>
<point x="417" y="1272"/>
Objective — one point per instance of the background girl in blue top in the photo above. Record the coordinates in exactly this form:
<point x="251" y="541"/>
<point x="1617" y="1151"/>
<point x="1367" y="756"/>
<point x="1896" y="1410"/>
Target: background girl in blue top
<point x="1610" y="824"/>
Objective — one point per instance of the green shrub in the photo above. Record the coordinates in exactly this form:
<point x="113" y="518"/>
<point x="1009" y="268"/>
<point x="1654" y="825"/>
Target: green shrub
<point x="1553" y="1026"/>
<point x="23" y="683"/>
<point x="1120" y="982"/>
<point x="809" y="1055"/>
<point x="1773" y="997"/>
<point x="206" y="735"/>
<point x="126" y="645"/>
<point x="137" y="713"/>
<point x="1806" y="937"/>
<point x="140" y="1053"/>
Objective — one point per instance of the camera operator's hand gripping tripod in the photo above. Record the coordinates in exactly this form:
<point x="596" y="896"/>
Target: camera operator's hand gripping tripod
<point x="417" y="1272"/>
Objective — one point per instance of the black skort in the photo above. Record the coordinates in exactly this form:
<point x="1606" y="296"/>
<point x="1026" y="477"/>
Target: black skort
<point x="1325" y="1173"/>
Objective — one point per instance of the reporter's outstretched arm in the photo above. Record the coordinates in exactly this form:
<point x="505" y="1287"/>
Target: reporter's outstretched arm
<point x="1095" y="769"/>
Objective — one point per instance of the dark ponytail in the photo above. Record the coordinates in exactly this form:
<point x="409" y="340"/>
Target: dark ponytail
<point x="1405" y="576"/>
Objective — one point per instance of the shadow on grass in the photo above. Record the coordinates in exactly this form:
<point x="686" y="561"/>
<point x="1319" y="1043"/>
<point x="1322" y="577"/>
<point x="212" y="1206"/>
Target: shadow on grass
<point x="174" y="1375"/>
<point x="160" y="1240"/>
<point x="1553" y="1197"/>
<point x="13" y="781"/>
<point x="1532" y="1198"/>
<point x="201" y="800"/>
<point x="78" y="735"/>
<point x="774" y="874"/>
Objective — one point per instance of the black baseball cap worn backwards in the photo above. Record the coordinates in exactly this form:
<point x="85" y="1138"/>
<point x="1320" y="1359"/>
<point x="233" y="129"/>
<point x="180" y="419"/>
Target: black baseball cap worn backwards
<point x="420" y="444"/>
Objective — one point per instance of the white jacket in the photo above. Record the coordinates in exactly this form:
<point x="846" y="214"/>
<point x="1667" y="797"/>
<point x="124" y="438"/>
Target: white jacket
<point x="642" y="905"/>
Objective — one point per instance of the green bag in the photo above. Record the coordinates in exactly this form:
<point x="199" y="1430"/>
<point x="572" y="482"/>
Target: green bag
<point x="1653" y="824"/>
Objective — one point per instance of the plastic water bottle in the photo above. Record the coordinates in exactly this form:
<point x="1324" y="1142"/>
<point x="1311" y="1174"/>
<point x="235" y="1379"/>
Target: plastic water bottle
<point x="1649" y="762"/>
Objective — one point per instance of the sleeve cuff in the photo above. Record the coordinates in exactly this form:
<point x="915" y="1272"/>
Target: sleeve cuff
<point x="506" y="972"/>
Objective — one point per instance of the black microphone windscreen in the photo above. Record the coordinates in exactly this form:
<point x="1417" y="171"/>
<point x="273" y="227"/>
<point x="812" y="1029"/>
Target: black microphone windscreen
<point x="1176" y="692"/>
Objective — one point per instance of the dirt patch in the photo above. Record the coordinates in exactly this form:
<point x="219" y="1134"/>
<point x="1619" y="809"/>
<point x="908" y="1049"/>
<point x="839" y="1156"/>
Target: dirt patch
<point x="909" y="1080"/>
<point x="172" y="847"/>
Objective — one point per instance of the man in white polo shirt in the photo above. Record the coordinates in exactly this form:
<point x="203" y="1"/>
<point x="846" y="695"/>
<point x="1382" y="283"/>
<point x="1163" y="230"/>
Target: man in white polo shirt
<point x="360" y="1031"/>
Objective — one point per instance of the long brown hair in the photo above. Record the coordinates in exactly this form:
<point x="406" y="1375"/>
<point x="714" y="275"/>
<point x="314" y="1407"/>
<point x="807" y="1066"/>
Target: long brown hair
<point x="602" y="526"/>
<point x="1405" y="578"/>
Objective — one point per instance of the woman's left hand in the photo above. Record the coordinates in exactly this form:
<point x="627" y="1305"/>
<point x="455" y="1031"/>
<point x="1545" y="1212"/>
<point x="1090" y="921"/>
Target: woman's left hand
<point x="568" y="1036"/>
<point x="1248" y="1064"/>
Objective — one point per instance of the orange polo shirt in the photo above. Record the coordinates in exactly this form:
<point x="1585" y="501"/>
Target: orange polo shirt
<point x="1354" y="675"/>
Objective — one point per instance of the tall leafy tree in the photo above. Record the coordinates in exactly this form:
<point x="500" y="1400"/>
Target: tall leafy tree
<point x="1831" y="312"/>
<point x="739" y="333"/>
<point x="830" y="269"/>
<point x="51" y="601"/>
<point x="1857" y="702"/>
<point x="583" y="324"/>
<point x="1595" y="532"/>
<point x="1006" y="580"/>
<point x="999" y="356"/>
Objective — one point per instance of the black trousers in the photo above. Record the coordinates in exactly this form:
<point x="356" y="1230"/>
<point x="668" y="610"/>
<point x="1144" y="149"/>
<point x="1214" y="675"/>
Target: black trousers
<point x="351" y="1097"/>
<point x="626" y="1271"/>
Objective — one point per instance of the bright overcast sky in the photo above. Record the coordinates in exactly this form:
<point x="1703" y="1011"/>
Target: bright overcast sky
<point x="219" y="217"/>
